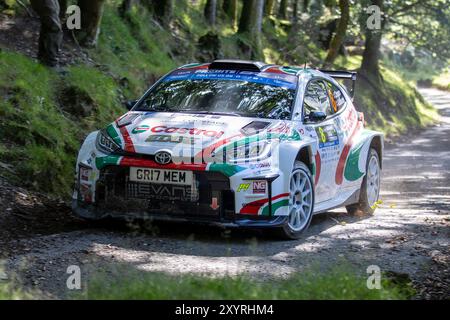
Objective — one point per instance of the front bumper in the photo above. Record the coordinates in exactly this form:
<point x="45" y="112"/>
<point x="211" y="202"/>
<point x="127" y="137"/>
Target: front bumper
<point x="116" y="196"/>
<point x="103" y="189"/>
<point x="92" y="212"/>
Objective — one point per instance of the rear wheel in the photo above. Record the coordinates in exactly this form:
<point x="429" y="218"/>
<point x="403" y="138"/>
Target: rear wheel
<point x="370" y="188"/>
<point x="301" y="202"/>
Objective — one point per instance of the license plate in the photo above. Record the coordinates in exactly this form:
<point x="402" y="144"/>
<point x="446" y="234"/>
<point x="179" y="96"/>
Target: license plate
<point x="175" y="177"/>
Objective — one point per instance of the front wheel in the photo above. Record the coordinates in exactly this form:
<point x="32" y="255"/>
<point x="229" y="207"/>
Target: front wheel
<point x="301" y="202"/>
<point x="370" y="188"/>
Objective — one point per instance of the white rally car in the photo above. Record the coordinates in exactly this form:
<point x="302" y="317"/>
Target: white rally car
<point x="234" y="143"/>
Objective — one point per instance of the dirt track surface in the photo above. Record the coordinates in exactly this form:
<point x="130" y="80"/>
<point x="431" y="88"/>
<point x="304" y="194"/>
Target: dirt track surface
<point x="408" y="235"/>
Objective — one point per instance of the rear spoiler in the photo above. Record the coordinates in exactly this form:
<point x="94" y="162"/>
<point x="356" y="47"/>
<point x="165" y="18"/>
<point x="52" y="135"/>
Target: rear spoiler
<point x="343" y="75"/>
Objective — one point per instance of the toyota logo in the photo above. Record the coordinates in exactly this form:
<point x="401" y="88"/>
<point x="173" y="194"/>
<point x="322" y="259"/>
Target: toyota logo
<point x="163" y="157"/>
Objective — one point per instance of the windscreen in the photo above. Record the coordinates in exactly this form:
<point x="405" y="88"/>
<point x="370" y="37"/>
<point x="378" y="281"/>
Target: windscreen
<point x="235" y="94"/>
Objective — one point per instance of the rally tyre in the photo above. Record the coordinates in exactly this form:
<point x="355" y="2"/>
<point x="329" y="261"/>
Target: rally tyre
<point x="301" y="202"/>
<point x="370" y="188"/>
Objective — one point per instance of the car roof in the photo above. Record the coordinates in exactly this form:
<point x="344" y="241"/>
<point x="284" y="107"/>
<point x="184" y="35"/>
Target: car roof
<point x="250" y="66"/>
<point x="291" y="74"/>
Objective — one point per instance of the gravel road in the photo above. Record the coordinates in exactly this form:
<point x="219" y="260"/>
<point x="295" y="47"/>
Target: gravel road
<point x="408" y="235"/>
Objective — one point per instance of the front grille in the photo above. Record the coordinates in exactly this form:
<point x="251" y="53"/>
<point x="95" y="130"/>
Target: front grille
<point x="116" y="192"/>
<point x="136" y="190"/>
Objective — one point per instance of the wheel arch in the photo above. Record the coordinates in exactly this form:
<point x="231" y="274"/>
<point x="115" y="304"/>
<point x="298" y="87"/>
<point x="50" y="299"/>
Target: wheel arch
<point x="377" y="144"/>
<point x="356" y="160"/>
<point x="305" y="155"/>
<point x="292" y="151"/>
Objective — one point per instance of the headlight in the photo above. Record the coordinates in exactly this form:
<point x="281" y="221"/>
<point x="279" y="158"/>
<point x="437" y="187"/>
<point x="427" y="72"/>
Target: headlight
<point x="247" y="152"/>
<point x="105" y="144"/>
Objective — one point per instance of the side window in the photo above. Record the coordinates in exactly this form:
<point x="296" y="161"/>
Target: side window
<point x="317" y="99"/>
<point x="337" y="98"/>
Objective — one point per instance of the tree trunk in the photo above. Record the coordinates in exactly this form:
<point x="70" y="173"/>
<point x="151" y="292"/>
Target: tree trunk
<point x="162" y="10"/>
<point x="251" y="24"/>
<point x="91" y="17"/>
<point x="245" y="20"/>
<point x="268" y="8"/>
<point x="295" y="13"/>
<point x="125" y="7"/>
<point x="282" y="12"/>
<point x="341" y="30"/>
<point x="230" y="8"/>
<point x="370" y="66"/>
<point x="305" y="6"/>
<point x="259" y="8"/>
<point x="211" y="12"/>
<point x="62" y="10"/>
<point x="251" y="17"/>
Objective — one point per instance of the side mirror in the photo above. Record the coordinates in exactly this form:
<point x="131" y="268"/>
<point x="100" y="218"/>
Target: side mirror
<point x="317" y="116"/>
<point x="130" y="104"/>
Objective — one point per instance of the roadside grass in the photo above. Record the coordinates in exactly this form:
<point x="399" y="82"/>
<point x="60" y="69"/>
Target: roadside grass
<point x="442" y="81"/>
<point x="89" y="88"/>
<point x="35" y="138"/>
<point x="134" y="50"/>
<point x="7" y="293"/>
<point x="335" y="285"/>
<point x="425" y="72"/>
<point x="394" y="107"/>
<point x="45" y="116"/>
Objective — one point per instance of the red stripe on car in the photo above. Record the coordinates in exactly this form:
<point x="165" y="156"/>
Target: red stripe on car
<point x="253" y="207"/>
<point x="199" y="67"/>
<point x="318" y="167"/>
<point x="206" y="153"/>
<point x="129" y="147"/>
<point x="341" y="164"/>
<point x="275" y="70"/>
<point x="147" y="163"/>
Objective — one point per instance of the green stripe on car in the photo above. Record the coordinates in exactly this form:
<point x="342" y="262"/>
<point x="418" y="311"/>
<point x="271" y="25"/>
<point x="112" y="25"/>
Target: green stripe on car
<point x="275" y="206"/>
<point x="102" y="162"/>
<point x="113" y="134"/>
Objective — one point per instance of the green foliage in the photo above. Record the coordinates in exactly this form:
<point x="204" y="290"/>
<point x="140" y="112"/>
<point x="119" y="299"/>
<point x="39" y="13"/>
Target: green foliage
<point x="134" y="49"/>
<point x="335" y="284"/>
<point x="393" y="107"/>
<point x="431" y="34"/>
<point x="45" y="116"/>
<point x="39" y="134"/>
<point x="8" y="292"/>
<point x="36" y="138"/>
<point x="100" y="89"/>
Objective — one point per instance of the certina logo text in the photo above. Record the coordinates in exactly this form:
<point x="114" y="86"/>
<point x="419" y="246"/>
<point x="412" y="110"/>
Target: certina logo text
<point x="171" y="139"/>
<point x="190" y="131"/>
